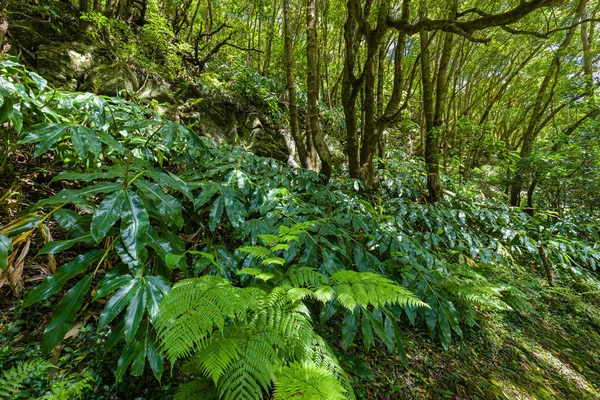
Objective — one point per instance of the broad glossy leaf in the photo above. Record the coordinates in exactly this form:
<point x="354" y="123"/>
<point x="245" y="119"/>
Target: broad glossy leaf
<point x="160" y="245"/>
<point x="113" y="172"/>
<point x="156" y="289"/>
<point x="235" y="211"/>
<point x="139" y="359"/>
<point x="129" y="353"/>
<point x="46" y="134"/>
<point x="61" y="245"/>
<point x="349" y="328"/>
<point x="85" y="141"/>
<point x="5" y="247"/>
<point x="118" y="301"/>
<point x="155" y="358"/>
<point x="215" y="214"/>
<point x="165" y="204"/>
<point x="170" y="181"/>
<point x="134" y="224"/>
<point x="39" y="81"/>
<point x="172" y="259"/>
<point x="78" y="196"/>
<point x="54" y="283"/>
<point x="67" y="219"/>
<point x="207" y="193"/>
<point x="64" y="315"/>
<point x="108" y="286"/>
<point x="110" y="141"/>
<point x="107" y="213"/>
<point x="135" y="312"/>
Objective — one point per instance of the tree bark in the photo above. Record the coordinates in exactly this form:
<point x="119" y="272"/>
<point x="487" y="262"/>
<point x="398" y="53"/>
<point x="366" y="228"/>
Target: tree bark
<point x="291" y="88"/>
<point x="312" y="84"/>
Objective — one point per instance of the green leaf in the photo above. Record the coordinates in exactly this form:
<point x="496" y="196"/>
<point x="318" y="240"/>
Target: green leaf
<point x="61" y="245"/>
<point x="110" y="141"/>
<point x="134" y="224"/>
<point x="216" y="212"/>
<point x="135" y="312"/>
<point x="54" y="283"/>
<point x="5" y="247"/>
<point x="349" y="327"/>
<point x="64" y="315"/>
<point x="172" y="259"/>
<point x="170" y="181"/>
<point x="165" y="204"/>
<point x="78" y="196"/>
<point x="45" y="133"/>
<point x="156" y="289"/>
<point x="208" y="191"/>
<point x="107" y="213"/>
<point x="85" y="141"/>
<point x="113" y="172"/>
<point x="39" y="81"/>
<point x="117" y="302"/>
<point x="110" y="285"/>
<point x="155" y="358"/>
<point x="235" y="211"/>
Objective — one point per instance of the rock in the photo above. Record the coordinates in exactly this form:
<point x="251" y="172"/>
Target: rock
<point x="110" y="79"/>
<point x="154" y="90"/>
<point x="64" y="65"/>
<point x="226" y="123"/>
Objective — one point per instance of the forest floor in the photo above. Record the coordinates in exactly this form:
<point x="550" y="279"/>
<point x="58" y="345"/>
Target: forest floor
<point x="551" y="353"/>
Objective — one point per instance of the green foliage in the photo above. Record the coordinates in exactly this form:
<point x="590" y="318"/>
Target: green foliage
<point x="14" y="382"/>
<point x="260" y="257"/>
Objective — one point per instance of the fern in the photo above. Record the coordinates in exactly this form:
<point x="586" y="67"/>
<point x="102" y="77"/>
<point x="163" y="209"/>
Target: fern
<point x="242" y="336"/>
<point x="307" y="381"/>
<point x="13" y="380"/>
<point x="367" y="288"/>
<point x="198" y="389"/>
<point x="195" y="307"/>
<point x="69" y="387"/>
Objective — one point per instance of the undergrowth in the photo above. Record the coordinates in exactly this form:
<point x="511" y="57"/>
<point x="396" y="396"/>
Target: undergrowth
<point x="250" y="277"/>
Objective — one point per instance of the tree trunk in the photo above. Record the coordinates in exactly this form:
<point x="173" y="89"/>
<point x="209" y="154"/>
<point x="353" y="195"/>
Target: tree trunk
<point x="84" y="7"/>
<point x="291" y="88"/>
<point x="312" y="84"/>
<point x="432" y="150"/>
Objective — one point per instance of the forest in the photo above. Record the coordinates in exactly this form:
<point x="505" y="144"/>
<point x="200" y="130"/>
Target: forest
<point x="299" y="199"/>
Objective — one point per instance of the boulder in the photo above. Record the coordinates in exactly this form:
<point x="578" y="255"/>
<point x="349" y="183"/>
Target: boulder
<point x="111" y="79"/>
<point x="155" y="90"/>
<point x="64" y="65"/>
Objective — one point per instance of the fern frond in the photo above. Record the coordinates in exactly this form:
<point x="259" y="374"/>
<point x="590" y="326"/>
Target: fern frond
<point x="273" y="260"/>
<point x="486" y="296"/>
<point x="198" y="389"/>
<point x="307" y="381"/>
<point x="257" y="273"/>
<point x="69" y="387"/>
<point x="250" y="374"/>
<point x="195" y="307"/>
<point x="259" y="252"/>
<point x="13" y="380"/>
<point x="367" y="288"/>
<point x="303" y="277"/>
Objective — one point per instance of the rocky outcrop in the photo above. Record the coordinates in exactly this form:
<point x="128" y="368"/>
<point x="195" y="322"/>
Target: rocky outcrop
<point x="110" y="79"/>
<point x="225" y="123"/>
<point x="64" y="65"/>
<point x="154" y="89"/>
